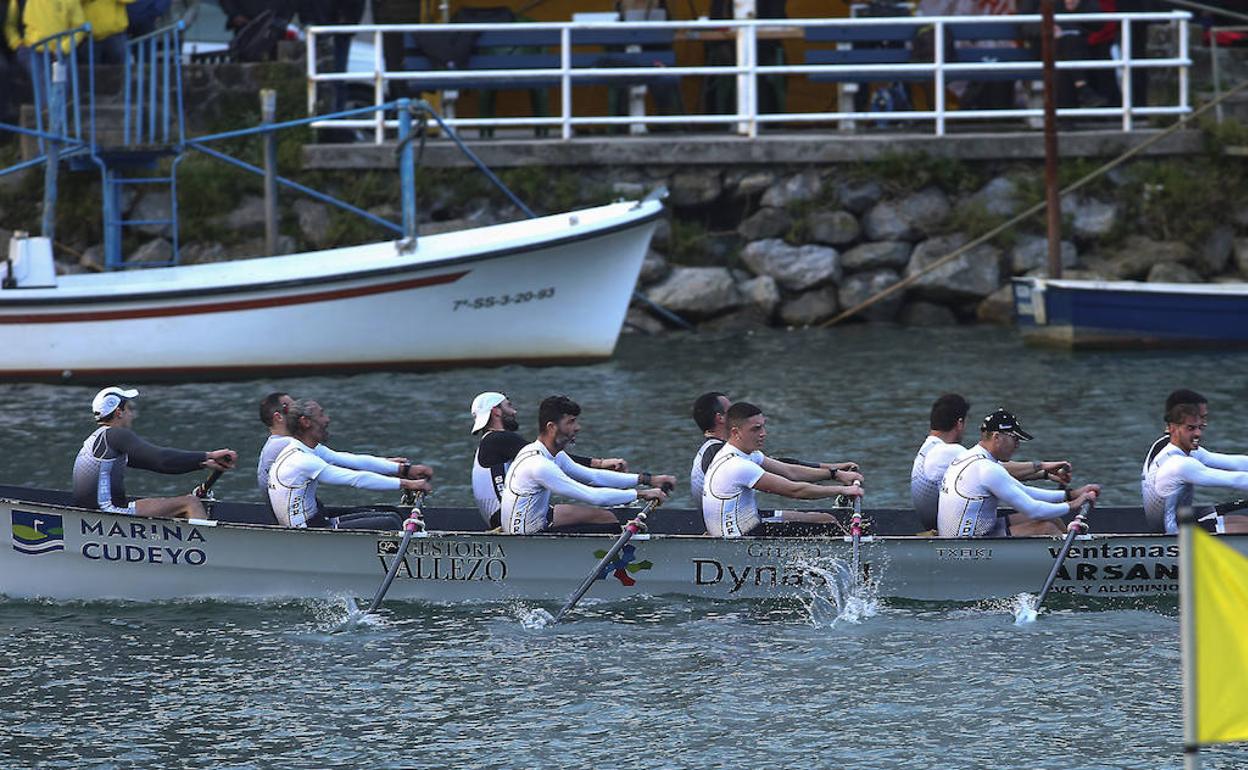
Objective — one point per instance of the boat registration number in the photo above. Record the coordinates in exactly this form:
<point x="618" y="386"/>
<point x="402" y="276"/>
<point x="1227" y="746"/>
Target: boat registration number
<point x="503" y="300"/>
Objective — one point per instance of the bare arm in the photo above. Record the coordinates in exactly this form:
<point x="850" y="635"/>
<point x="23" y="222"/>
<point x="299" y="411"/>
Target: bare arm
<point x="801" y="490"/>
<point x="811" y="473"/>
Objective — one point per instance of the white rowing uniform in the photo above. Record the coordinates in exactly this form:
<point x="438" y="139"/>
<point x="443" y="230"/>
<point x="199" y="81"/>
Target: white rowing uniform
<point x="728" y="504"/>
<point x="294" y="477"/>
<point x="930" y="464"/>
<point x="701" y="461"/>
<point x="1170" y="476"/>
<point x="973" y="487"/>
<point x="535" y="474"/>
<point x="273" y="446"/>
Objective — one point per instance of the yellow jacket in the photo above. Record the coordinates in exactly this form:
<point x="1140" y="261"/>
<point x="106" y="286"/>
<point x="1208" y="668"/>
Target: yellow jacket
<point x="107" y="17"/>
<point x="43" y="18"/>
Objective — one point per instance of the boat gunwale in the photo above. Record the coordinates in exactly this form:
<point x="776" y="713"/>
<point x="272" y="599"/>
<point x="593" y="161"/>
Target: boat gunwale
<point x="1227" y="290"/>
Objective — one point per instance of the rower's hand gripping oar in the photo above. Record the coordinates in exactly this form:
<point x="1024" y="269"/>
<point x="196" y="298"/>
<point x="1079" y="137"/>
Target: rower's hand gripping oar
<point x="1077" y="526"/>
<point x="631" y="528"/>
<point x="202" y="489"/>
<point x="415" y="522"/>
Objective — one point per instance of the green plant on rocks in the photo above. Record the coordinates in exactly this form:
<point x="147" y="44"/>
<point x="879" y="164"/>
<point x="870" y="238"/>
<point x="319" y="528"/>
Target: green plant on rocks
<point x="906" y="172"/>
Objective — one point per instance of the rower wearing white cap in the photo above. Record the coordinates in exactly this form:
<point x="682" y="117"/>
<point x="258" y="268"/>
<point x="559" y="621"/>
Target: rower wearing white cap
<point x="740" y="469"/>
<point x="1172" y="473"/>
<point x="543" y="468"/>
<point x="977" y="482"/>
<point x="494" y="416"/>
<point x="943" y="445"/>
<point x="100" y="467"/>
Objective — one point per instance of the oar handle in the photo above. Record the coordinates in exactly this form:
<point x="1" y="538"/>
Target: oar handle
<point x="855" y="522"/>
<point x="416" y="518"/>
<point x="201" y="490"/>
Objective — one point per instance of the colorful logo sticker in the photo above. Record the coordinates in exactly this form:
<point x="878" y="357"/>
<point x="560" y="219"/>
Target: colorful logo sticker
<point x="623" y="565"/>
<point x="37" y="533"/>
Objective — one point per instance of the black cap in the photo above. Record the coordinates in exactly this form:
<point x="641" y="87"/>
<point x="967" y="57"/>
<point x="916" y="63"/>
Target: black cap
<point x="1002" y="421"/>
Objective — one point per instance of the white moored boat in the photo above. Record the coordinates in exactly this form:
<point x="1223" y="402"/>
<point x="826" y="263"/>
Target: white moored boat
<point x="62" y="552"/>
<point x="551" y="289"/>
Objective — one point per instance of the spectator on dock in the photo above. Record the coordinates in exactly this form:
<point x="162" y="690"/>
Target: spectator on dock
<point x="109" y="22"/>
<point x="1074" y="87"/>
<point x="144" y="14"/>
<point x="394" y="45"/>
<point x="257" y="25"/>
<point x="27" y="22"/>
<point x="327" y="12"/>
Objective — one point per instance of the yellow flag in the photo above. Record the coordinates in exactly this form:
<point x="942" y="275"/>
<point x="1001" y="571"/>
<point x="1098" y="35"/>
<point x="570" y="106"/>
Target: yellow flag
<point x="1219" y="576"/>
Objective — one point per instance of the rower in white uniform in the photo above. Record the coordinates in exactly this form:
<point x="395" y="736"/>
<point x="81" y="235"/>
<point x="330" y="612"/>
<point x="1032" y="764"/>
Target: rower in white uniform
<point x="1176" y="397"/>
<point x="543" y="468"/>
<point x="943" y="445"/>
<point x="1171" y="475"/>
<point x="740" y="469"/>
<point x="710" y="414"/>
<point x="297" y="470"/>
<point x="495" y="418"/>
<point x="977" y="482"/>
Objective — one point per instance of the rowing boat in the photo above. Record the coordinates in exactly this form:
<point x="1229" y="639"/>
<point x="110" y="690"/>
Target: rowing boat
<point x="545" y="290"/>
<point x="62" y="552"/>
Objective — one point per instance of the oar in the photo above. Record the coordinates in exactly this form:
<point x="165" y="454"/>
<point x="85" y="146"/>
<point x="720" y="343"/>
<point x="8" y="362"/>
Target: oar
<point x="855" y="534"/>
<point x="1076" y="526"/>
<point x="201" y="490"/>
<point x="414" y="522"/>
<point x="630" y="529"/>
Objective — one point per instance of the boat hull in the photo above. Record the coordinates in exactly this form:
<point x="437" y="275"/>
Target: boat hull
<point x="1104" y="314"/>
<point x="65" y="553"/>
<point x="554" y="289"/>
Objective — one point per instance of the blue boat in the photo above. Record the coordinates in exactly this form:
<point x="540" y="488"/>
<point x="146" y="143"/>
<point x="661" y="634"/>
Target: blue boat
<point x="1104" y="314"/>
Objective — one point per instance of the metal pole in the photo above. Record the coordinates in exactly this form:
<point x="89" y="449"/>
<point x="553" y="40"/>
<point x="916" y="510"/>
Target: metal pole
<point x="56" y="126"/>
<point x="268" y="115"/>
<point x="407" y="174"/>
<point x="1053" y="207"/>
<point x="1187" y="641"/>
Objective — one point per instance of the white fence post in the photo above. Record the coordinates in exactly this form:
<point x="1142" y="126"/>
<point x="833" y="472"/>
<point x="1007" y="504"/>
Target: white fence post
<point x="565" y="81"/>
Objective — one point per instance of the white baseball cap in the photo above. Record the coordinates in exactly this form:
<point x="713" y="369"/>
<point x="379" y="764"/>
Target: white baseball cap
<point x="481" y="406"/>
<point x="107" y="400"/>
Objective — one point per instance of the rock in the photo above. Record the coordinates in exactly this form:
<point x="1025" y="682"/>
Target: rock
<point x="999" y="197"/>
<point x="810" y="308"/>
<point x="695" y="188"/>
<point x="878" y="254"/>
<point x="761" y="293"/>
<point x="796" y="268"/>
<point x="767" y="222"/>
<point x="835" y="228"/>
<point x="248" y="215"/>
<point x="860" y="287"/>
<point x="1241" y="256"/>
<point x="1137" y="256"/>
<point x="745" y="319"/>
<point x="445" y="226"/>
<point x="92" y="258"/>
<point x="911" y="217"/>
<point x="746" y="184"/>
<point x="859" y="196"/>
<point x="722" y="247"/>
<point x="70" y="268"/>
<point x="638" y="321"/>
<point x="795" y="189"/>
<point x="998" y="307"/>
<point x="152" y="252"/>
<point x="314" y="221"/>
<point x="255" y="247"/>
<point x="697" y="292"/>
<point x="1171" y="272"/>
<point x="628" y="190"/>
<point x="662" y="239"/>
<point x="654" y="268"/>
<point x="1215" y="254"/>
<point x="197" y="253"/>
<point x="151" y="206"/>
<point x="1091" y="219"/>
<point x="1032" y="251"/>
<point x="971" y="276"/>
<point x="927" y="314"/>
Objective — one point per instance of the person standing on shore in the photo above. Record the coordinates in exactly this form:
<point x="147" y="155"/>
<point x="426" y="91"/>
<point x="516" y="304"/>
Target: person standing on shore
<point x="494" y="417"/>
<point x="943" y="445"/>
<point x="1172" y="473"/>
<point x="740" y="469"/>
<point x="977" y="482"/>
<point x="544" y="468"/>
<point x="100" y="467"/>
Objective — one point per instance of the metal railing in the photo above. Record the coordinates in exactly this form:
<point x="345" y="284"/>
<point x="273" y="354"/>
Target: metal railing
<point x="746" y="72"/>
<point x="153" y="88"/>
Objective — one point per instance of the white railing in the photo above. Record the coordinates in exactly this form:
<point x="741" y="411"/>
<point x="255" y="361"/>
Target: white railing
<point x="746" y="71"/>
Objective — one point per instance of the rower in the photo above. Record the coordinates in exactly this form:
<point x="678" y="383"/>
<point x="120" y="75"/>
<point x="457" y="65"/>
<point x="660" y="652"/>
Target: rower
<point x="740" y="469"/>
<point x="1171" y="475"/>
<point x="274" y="410"/>
<point x="544" y="467"/>
<point x="100" y="467"/>
<point x="1176" y="397"/>
<point x="710" y="414"/>
<point x="943" y="445"/>
<point x="297" y="470"/>
<point x="977" y="481"/>
<point x="495" y="417"/>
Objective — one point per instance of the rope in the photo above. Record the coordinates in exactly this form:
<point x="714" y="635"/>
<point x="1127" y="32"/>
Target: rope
<point x="994" y="232"/>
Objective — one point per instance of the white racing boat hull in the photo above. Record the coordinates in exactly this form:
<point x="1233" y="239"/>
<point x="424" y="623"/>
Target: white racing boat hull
<point x="66" y="553"/>
<point x="552" y="289"/>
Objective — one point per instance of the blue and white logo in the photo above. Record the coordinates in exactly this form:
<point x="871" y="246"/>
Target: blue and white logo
<point x="37" y="533"/>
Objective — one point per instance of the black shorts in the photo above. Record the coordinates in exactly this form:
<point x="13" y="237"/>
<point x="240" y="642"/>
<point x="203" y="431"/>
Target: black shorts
<point x="496" y="518"/>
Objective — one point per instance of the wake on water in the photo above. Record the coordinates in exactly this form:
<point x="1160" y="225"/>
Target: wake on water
<point x="841" y="598"/>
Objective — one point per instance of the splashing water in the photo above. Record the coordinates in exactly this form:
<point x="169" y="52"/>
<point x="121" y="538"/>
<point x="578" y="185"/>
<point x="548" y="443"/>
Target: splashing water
<point x="356" y="618"/>
<point x="533" y="618"/>
<point x="1024" y="609"/>
<point x="840" y="598"/>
